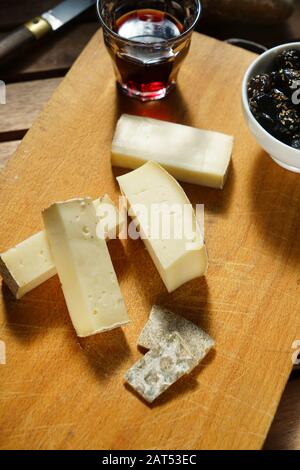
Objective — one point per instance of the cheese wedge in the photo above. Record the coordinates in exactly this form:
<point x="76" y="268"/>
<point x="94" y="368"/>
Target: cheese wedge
<point x="166" y="222"/>
<point x="190" y="155"/>
<point x="30" y="263"/>
<point x="83" y="264"/>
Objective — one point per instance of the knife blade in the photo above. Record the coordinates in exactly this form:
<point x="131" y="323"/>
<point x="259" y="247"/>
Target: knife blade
<point x="65" y="12"/>
<point x="26" y="35"/>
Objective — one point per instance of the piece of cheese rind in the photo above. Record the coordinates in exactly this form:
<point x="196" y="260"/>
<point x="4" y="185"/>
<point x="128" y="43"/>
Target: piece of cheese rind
<point x="83" y="264"/>
<point x="30" y="263"/>
<point x="160" y="368"/>
<point x="163" y="322"/>
<point x="151" y="187"/>
<point x="190" y="155"/>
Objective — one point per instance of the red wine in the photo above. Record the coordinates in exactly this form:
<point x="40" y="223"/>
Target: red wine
<point x="145" y="70"/>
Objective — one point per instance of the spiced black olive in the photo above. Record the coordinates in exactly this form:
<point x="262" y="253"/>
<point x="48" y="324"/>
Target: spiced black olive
<point x="259" y="84"/>
<point x="274" y="98"/>
<point x="288" y="59"/>
<point x="288" y="80"/>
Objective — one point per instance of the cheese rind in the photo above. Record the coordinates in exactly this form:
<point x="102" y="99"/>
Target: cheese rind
<point x="189" y="154"/>
<point x="163" y="322"/>
<point x="30" y="263"/>
<point x="160" y="368"/>
<point x="151" y="188"/>
<point x="83" y="264"/>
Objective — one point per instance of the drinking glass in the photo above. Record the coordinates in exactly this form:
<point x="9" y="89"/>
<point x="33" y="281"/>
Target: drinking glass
<point x="148" y="41"/>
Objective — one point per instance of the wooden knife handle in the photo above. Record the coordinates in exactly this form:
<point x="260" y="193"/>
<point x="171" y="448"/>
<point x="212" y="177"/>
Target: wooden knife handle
<point x="22" y="38"/>
<point x="15" y="43"/>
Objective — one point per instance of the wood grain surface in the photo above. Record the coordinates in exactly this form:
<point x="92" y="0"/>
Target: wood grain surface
<point x="61" y="392"/>
<point x="6" y="151"/>
<point x="24" y="101"/>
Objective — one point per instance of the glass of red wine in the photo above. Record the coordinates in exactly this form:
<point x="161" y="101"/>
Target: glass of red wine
<point x="148" y="41"/>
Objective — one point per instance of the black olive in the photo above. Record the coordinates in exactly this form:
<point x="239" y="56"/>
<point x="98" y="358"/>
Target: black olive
<point x="281" y="133"/>
<point x="280" y="99"/>
<point x="286" y="80"/>
<point x="274" y="98"/>
<point x="289" y="118"/>
<point x="263" y="103"/>
<point x="276" y="81"/>
<point x="259" y="84"/>
<point x="265" y="120"/>
<point x="288" y="59"/>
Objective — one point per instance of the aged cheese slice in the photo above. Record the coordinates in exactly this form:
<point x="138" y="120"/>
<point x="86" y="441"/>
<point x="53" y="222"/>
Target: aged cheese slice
<point x="160" y="368"/>
<point x="163" y="215"/>
<point x="30" y="263"/>
<point x="27" y="265"/>
<point x="189" y="154"/>
<point x="163" y="322"/>
<point x="82" y="260"/>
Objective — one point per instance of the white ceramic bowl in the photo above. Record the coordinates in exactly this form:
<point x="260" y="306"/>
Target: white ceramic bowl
<point x="283" y="154"/>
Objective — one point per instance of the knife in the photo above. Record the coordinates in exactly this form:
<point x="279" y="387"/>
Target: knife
<point x="26" y="35"/>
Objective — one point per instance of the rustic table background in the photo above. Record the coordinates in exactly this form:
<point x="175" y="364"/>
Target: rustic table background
<point x="31" y="81"/>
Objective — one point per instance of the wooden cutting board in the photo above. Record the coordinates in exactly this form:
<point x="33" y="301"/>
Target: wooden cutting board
<point x="61" y="392"/>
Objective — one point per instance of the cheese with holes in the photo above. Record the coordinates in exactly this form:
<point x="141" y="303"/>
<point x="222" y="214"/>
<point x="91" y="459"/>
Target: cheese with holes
<point x="189" y="154"/>
<point x="27" y="265"/>
<point x="30" y="263"/>
<point x="84" y="267"/>
<point x="166" y="222"/>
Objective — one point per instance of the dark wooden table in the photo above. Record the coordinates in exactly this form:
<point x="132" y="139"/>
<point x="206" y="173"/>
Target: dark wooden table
<point x="31" y="81"/>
